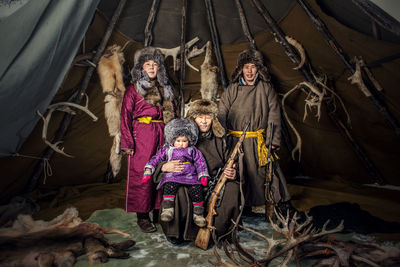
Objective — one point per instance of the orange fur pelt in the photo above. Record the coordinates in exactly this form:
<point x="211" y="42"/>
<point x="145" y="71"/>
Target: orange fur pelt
<point x="111" y="78"/>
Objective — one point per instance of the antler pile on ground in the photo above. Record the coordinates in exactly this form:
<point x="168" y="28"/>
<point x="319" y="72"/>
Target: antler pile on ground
<point x="58" y="242"/>
<point x="294" y="240"/>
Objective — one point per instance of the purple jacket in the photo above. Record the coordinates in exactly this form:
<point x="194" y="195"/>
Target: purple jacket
<point x="195" y="165"/>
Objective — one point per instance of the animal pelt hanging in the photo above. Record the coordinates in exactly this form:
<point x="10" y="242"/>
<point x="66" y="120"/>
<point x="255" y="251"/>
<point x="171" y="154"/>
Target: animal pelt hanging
<point x="209" y="83"/>
<point x="111" y="78"/>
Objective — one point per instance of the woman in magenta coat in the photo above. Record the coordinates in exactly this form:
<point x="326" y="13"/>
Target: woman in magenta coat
<point x="147" y="106"/>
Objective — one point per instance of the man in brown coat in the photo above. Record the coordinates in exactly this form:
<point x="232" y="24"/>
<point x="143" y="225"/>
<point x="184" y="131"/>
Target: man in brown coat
<point x="251" y="98"/>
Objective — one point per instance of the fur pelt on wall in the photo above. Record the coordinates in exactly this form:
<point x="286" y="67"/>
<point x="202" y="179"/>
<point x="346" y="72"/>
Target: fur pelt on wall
<point x="209" y="83"/>
<point x="111" y="79"/>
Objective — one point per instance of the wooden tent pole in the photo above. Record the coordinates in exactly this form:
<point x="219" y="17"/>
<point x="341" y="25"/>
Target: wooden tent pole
<point x="306" y="72"/>
<point x="66" y="121"/>
<point x="182" y="57"/>
<point x="336" y="47"/>
<point x="216" y="42"/>
<point x="245" y="25"/>
<point x="148" y="37"/>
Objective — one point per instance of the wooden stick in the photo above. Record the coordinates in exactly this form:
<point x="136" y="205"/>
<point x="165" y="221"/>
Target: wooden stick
<point x="182" y="57"/>
<point x="245" y="25"/>
<point x="307" y="73"/>
<point x="216" y="42"/>
<point x="148" y="36"/>
<point x="78" y="96"/>
<point x="378" y="15"/>
<point x="336" y="47"/>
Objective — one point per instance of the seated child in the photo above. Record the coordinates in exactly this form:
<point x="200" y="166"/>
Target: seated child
<point x="180" y="137"/>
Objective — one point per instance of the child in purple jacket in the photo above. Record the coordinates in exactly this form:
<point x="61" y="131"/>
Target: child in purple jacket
<point x="180" y="137"/>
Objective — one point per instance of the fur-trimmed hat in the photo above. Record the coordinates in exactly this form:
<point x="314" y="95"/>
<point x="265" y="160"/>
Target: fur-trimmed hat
<point x="181" y="127"/>
<point x="140" y="77"/>
<point x="250" y="56"/>
<point x="206" y="107"/>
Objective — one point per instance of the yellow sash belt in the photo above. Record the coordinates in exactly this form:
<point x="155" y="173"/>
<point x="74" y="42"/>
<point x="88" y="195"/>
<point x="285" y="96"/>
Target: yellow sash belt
<point x="148" y="120"/>
<point x="261" y="147"/>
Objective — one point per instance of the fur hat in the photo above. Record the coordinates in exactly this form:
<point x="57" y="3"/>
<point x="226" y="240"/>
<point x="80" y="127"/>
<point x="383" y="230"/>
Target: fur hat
<point x="181" y="127"/>
<point x="206" y="107"/>
<point x="250" y="56"/>
<point x="140" y="77"/>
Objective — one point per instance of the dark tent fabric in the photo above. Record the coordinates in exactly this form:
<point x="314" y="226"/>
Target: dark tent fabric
<point x="335" y="170"/>
<point x="39" y="42"/>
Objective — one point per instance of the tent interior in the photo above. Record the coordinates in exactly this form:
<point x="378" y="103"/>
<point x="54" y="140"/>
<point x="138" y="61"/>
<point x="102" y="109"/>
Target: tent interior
<point x="42" y="40"/>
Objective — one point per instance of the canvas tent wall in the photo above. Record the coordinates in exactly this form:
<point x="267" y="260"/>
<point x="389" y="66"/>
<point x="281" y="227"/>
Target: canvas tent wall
<point x="325" y="152"/>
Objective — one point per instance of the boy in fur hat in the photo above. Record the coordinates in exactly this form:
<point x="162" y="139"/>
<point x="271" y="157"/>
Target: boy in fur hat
<point x="180" y="137"/>
<point x="251" y="98"/>
<point x="147" y="106"/>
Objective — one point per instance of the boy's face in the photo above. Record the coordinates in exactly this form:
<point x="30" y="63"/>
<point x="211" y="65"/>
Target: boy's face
<point x="249" y="73"/>
<point x="151" y="68"/>
<point x="181" y="142"/>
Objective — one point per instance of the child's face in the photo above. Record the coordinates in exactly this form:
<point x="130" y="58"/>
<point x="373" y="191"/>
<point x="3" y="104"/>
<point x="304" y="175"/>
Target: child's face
<point x="181" y="142"/>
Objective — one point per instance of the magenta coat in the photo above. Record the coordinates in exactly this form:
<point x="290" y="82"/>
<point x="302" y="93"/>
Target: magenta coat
<point x="145" y="140"/>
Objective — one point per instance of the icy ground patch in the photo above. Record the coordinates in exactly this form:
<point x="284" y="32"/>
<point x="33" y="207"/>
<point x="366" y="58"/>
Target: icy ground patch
<point x="154" y="250"/>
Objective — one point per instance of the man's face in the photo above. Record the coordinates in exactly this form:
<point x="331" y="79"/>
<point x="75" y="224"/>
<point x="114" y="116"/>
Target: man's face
<point x="151" y="68"/>
<point x="204" y="122"/>
<point x="249" y="73"/>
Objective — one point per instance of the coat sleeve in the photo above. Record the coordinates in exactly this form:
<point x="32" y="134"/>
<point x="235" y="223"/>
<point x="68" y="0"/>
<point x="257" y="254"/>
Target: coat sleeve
<point x="274" y="116"/>
<point x="224" y="106"/>
<point x="155" y="160"/>
<point x="127" y="117"/>
<point x="200" y="163"/>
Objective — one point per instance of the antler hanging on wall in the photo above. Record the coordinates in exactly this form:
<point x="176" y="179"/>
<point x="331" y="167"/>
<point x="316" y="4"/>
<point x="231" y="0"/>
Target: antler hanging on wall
<point x="62" y="106"/>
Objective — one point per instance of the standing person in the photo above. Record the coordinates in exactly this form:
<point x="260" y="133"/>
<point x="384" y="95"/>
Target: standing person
<point x="147" y="105"/>
<point x="251" y="98"/>
<point x="213" y="147"/>
<point x="180" y="137"/>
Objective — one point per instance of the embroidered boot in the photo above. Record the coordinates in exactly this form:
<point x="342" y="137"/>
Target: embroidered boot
<point x="198" y="217"/>
<point x="167" y="211"/>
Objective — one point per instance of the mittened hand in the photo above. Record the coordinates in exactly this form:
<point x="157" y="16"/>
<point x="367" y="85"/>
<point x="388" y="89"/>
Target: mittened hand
<point x="146" y="177"/>
<point x="204" y="181"/>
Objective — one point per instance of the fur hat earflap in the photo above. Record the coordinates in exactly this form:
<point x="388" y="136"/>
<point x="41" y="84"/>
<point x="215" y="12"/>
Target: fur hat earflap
<point x="181" y="127"/>
<point x="140" y="77"/>
<point x="206" y="107"/>
<point x="250" y="56"/>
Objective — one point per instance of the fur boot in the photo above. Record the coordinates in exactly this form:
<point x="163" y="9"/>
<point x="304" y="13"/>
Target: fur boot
<point x="198" y="217"/>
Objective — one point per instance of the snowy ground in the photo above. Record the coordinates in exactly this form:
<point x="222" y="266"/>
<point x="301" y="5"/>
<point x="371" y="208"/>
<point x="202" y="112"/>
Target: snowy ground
<point x="154" y="250"/>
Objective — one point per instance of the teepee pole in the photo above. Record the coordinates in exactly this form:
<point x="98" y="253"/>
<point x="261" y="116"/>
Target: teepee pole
<point x="66" y="121"/>
<point x="307" y="73"/>
<point x="245" y="25"/>
<point x="216" y="42"/>
<point x="148" y="37"/>
<point x="379" y="104"/>
<point x="182" y="57"/>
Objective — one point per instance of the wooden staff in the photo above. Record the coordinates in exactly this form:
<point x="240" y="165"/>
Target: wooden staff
<point x="204" y="234"/>
<point x="336" y="47"/>
<point x="245" y="25"/>
<point x="182" y="56"/>
<point x="148" y="37"/>
<point x="78" y="96"/>
<point x="307" y="73"/>
<point x="216" y="42"/>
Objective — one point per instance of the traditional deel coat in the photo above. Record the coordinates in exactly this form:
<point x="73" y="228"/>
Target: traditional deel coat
<point x="195" y="165"/>
<point x="257" y="104"/>
<point x="182" y="226"/>
<point x="145" y="138"/>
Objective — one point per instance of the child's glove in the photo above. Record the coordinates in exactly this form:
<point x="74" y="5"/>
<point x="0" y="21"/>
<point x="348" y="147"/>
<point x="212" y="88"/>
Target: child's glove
<point x="204" y="180"/>
<point x="146" y="176"/>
